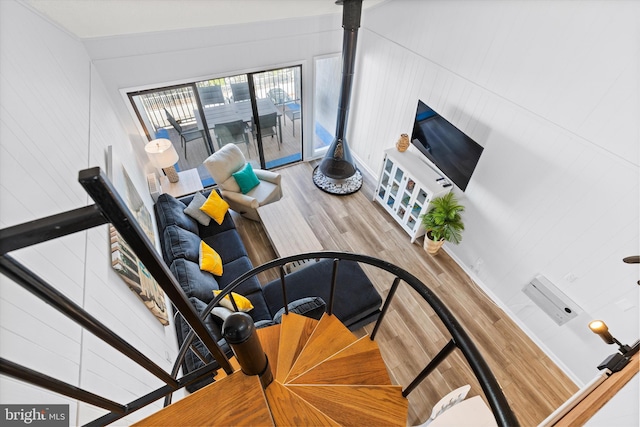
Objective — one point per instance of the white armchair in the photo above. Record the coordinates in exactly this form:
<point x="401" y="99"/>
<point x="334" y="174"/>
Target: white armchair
<point x="228" y="160"/>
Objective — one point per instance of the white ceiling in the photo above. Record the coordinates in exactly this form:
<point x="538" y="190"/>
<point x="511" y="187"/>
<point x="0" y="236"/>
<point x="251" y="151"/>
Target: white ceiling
<point x="101" y="18"/>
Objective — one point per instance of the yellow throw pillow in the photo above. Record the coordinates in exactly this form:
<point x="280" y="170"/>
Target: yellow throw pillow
<point x="242" y="302"/>
<point x="210" y="260"/>
<point x="215" y="207"/>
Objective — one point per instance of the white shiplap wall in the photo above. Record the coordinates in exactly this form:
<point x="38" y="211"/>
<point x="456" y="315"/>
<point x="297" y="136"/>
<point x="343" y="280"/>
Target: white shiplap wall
<point x="56" y="119"/>
<point x="550" y="89"/>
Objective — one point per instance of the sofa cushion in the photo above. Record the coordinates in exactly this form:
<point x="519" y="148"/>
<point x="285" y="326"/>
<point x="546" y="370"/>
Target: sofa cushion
<point x="313" y="307"/>
<point x="170" y="211"/>
<point x="265" y="193"/>
<point x="193" y="209"/>
<point x="231" y="185"/>
<point x="180" y="243"/>
<point x="246" y="178"/>
<point x="260" y="310"/>
<point x="228" y="244"/>
<point x="194" y="282"/>
<point x="209" y="259"/>
<point x="191" y="361"/>
<point x="215" y="207"/>
<point x="355" y="295"/>
<point x="233" y="270"/>
<point x="213" y="228"/>
<point x="223" y="163"/>
<point x="242" y="302"/>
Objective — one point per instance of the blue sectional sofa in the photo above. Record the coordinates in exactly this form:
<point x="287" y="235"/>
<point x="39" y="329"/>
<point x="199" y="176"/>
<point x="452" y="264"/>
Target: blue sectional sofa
<point x="180" y="235"/>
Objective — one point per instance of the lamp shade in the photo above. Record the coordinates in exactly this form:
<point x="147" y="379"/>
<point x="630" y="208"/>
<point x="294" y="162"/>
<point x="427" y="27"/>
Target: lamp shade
<point x="161" y="153"/>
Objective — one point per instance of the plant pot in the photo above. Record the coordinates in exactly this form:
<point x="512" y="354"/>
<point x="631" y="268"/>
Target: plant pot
<point x="432" y="247"/>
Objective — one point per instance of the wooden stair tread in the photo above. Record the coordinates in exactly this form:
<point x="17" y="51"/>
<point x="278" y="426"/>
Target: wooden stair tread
<point x="270" y="340"/>
<point x="220" y="374"/>
<point x="288" y="409"/>
<point x="294" y="332"/>
<point x="332" y="378"/>
<point x="350" y="405"/>
<point x="329" y="337"/>
<point x="218" y="404"/>
<point x="358" y="364"/>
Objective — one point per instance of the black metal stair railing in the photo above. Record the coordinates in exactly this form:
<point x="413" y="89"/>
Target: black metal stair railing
<point x="459" y="338"/>
<point x="110" y="208"/>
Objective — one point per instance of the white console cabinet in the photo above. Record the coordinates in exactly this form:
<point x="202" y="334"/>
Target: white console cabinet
<point x="406" y="186"/>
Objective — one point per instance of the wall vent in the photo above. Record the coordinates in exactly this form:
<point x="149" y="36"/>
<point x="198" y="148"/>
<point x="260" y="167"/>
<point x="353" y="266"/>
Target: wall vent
<point x="154" y="186"/>
<point x="551" y="300"/>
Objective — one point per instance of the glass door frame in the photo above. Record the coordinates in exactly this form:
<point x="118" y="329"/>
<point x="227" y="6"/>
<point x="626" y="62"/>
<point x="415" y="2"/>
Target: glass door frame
<point x="130" y="95"/>
<point x="298" y="89"/>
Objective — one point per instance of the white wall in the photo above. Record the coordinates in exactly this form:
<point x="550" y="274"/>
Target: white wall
<point x="550" y="89"/>
<point x="56" y="119"/>
<point x="143" y="61"/>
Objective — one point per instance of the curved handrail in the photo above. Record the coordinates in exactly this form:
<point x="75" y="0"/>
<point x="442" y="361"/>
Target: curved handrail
<point x="492" y="390"/>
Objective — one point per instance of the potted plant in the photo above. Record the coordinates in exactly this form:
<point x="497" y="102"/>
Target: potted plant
<point x="442" y="223"/>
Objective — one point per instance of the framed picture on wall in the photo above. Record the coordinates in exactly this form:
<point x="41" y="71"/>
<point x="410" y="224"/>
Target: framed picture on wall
<point x="123" y="259"/>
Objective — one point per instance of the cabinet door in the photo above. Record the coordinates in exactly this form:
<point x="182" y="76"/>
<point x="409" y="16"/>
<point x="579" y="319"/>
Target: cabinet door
<point x="396" y="187"/>
<point x="391" y="185"/>
<point x="385" y="179"/>
<point x="419" y="204"/>
<point x="404" y="199"/>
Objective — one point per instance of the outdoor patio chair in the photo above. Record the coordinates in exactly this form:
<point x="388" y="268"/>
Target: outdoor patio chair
<point x="292" y="111"/>
<point x="278" y="96"/>
<point x="240" y="91"/>
<point x="232" y="133"/>
<point x="211" y="95"/>
<point x="268" y="127"/>
<point x="289" y="107"/>
<point x="185" y="135"/>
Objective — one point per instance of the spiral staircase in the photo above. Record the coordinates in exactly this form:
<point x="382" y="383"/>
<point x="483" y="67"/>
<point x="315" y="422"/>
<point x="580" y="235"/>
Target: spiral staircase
<point x="323" y="375"/>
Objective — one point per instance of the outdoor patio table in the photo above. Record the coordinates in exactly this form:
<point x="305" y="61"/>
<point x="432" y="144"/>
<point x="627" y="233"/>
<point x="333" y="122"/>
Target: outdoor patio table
<point x="240" y="110"/>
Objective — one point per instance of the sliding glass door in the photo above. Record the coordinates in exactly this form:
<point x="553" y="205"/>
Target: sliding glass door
<point x="201" y="117"/>
<point x="272" y="99"/>
<point x="279" y="101"/>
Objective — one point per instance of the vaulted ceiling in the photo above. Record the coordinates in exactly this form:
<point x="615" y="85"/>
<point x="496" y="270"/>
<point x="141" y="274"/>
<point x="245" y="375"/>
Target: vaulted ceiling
<point x="103" y="18"/>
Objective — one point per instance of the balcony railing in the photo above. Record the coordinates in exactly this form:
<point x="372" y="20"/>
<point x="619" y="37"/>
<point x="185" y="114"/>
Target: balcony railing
<point x="181" y="102"/>
<point x="109" y="207"/>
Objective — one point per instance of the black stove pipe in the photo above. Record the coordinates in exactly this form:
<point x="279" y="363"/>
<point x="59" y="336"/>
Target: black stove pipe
<point x="338" y="162"/>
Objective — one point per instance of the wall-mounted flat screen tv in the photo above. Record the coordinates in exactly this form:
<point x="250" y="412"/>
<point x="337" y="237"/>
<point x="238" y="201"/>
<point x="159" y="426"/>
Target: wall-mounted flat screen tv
<point x="453" y="152"/>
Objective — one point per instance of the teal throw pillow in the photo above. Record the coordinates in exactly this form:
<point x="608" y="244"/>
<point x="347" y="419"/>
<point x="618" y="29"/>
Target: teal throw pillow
<point x="246" y="178"/>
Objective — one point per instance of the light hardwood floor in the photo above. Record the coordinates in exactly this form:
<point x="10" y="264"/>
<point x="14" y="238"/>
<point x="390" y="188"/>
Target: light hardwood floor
<point x="412" y="333"/>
